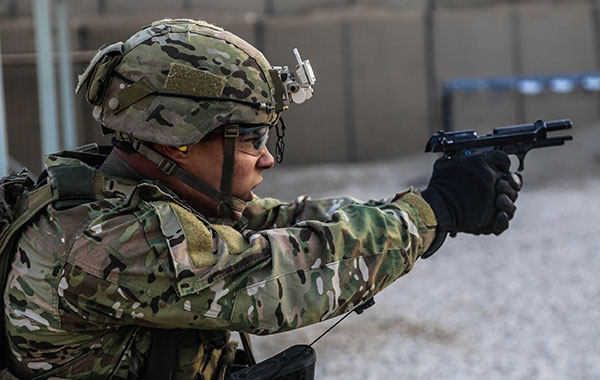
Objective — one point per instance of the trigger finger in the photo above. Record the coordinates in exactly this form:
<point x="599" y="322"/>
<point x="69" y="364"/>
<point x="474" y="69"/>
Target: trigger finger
<point x="515" y="180"/>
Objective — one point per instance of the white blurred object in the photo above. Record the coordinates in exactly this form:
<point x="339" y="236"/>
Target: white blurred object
<point x="591" y="83"/>
<point x="562" y="85"/>
<point x="530" y="87"/>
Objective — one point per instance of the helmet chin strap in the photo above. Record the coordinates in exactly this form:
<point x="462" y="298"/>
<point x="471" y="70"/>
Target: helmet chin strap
<point x="227" y="203"/>
<point x="230" y="135"/>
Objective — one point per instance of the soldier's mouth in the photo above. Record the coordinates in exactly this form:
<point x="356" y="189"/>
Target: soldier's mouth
<point x="252" y="195"/>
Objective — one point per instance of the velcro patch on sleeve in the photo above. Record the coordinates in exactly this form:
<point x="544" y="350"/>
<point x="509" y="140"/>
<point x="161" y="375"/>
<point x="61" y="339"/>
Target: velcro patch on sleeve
<point x="416" y="200"/>
<point x="235" y="241"/>
<point x="198" y="236"/>
<point x="191" y="81"/>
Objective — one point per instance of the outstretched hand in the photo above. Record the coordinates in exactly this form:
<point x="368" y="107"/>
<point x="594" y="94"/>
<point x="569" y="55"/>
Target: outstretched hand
<point x="473" y="194"/>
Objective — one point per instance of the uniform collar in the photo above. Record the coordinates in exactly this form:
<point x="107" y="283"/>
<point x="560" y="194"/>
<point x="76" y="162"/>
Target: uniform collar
<point x="118" y="167"/>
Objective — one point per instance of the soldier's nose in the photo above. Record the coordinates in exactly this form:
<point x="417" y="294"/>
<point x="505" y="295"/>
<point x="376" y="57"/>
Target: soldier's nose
<point x="266" y="160"/>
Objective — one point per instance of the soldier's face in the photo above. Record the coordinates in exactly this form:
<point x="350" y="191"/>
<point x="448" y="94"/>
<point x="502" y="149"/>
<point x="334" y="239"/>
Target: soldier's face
<point x="205" y="159"/>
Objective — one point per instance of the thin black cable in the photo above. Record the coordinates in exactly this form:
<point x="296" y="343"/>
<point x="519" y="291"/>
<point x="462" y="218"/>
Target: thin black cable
<point x="123" y="77"/>
<point x="331" y="328"/>
<point x="211" y="99"/>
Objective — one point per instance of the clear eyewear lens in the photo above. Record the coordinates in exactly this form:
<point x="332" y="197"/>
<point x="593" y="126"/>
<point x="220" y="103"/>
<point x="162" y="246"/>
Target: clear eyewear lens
<point x="254" y="143"/>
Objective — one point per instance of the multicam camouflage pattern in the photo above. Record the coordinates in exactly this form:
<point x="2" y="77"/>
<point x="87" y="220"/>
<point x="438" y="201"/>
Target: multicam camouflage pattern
<point x="149" y="54"/>
<point x="87" y="282"/>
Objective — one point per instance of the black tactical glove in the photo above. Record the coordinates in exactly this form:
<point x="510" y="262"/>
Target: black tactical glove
<point x="473" y="194"/>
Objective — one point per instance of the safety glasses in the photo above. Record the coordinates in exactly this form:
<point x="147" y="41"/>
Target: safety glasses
<point x="252" y="138"/>
<point x="253" y="143"/>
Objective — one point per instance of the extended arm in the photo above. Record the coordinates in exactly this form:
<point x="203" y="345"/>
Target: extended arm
<point x="260" y="282"/>
<point x="267" y="213"/>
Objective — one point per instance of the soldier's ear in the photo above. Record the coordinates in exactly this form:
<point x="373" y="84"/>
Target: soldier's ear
<point x="173" y="153"/>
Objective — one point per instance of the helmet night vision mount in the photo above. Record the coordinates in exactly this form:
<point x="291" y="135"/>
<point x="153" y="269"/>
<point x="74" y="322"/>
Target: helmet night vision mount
<point x="293" y="86"/>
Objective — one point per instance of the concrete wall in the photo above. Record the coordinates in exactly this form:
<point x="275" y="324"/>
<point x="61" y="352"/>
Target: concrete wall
<point x="316" y="129"/>
<point x="555" y="38"/>
<point x="475" y="42"/>
<point x="390" y="103"/>
<point x="517" y="39"/>
<point x="373" y="68"/>
<point x="365" y="106"/>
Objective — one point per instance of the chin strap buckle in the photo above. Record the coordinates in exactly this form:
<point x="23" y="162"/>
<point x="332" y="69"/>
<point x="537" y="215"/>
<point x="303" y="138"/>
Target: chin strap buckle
<point x="231" y="132"/>
<point x="166" y="166"/>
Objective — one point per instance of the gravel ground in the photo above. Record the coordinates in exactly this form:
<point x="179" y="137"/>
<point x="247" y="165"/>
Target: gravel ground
<point x="520" y="306"/>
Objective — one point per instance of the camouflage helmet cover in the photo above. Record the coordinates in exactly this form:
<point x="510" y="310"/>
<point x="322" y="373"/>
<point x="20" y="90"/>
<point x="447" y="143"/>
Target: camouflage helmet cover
<point x="193" y="61"/>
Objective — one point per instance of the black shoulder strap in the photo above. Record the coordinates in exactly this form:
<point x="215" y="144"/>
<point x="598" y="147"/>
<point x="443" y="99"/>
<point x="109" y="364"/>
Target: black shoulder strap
<point x="74" y="185"/>
<point x="163" y="354"/>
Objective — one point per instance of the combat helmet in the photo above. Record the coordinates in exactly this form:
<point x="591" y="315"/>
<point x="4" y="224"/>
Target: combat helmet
<point x="175" y="81"/>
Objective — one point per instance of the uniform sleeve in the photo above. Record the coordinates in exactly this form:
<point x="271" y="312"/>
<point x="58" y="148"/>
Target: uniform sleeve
<point x="166" y="268"/>
<point x="268" y="213"/>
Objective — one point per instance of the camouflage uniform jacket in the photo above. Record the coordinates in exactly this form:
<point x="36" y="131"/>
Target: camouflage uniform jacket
<point x="86" y="281"/>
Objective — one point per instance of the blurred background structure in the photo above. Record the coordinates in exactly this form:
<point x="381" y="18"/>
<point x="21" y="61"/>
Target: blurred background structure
<point x="389" y="72"/>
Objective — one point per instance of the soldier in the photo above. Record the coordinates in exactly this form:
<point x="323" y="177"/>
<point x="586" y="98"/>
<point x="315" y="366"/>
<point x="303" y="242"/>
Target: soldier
<point x="161" y="248"/>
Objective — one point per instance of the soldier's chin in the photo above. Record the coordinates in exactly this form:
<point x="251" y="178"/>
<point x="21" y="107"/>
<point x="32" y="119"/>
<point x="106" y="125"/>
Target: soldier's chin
<point x="246" y="197"/>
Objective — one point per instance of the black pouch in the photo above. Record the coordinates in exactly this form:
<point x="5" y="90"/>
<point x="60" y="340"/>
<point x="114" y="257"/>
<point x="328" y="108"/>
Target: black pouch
<point x="295" y="363"/>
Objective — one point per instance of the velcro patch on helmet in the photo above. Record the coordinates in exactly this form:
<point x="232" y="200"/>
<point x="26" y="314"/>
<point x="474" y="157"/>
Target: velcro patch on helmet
<point x="191" y="81"/>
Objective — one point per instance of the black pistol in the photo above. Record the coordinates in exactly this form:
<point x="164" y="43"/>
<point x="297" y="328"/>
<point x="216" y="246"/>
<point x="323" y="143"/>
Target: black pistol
<point x="516" y="139"/>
